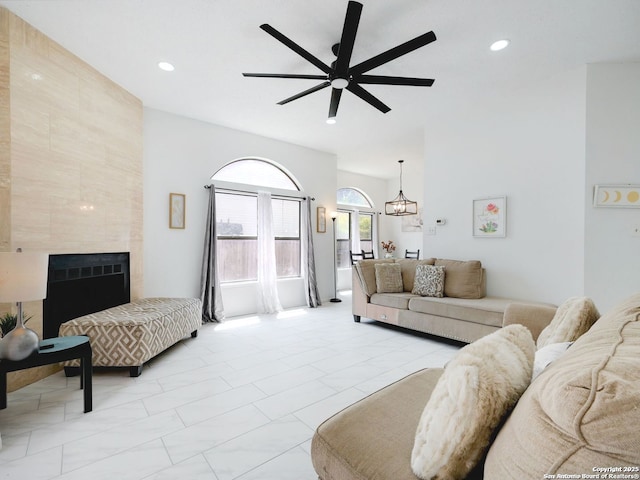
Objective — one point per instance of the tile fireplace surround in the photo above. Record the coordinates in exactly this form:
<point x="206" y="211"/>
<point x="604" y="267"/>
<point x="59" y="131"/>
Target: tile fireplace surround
<point x="71" y="170"/>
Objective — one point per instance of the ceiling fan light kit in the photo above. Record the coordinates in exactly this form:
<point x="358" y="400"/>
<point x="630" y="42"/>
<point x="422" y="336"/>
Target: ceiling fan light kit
<point x="401" y="205"/>
<point x="340" y="75"/>
<point x="499" y="45"/>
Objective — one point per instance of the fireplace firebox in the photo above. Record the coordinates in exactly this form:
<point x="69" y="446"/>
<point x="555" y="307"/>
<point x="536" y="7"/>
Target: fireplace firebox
<point x="82" y="283"/>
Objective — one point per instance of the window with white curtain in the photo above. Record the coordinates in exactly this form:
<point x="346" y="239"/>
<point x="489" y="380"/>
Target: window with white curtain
<point x="237" y="220"/>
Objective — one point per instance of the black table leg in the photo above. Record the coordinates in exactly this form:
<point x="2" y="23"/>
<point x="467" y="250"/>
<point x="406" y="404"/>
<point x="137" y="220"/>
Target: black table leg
<point x="3" y="390"/>
<point x="86" y="379"/>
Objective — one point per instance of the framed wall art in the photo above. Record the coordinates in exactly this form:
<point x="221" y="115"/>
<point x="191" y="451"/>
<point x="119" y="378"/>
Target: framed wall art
<point x="321" y="220"/>
<point x="490" y="217"/>
<point x="176" y="210"/>
<point x="620" y="196"/>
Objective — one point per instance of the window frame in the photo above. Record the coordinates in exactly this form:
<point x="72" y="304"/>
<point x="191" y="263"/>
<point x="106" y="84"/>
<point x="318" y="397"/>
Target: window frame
<point x="251" y="190"/>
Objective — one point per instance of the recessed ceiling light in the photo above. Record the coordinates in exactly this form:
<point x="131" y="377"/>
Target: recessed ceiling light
<point x="499" y="45"/>
<point x="166" y="66"/>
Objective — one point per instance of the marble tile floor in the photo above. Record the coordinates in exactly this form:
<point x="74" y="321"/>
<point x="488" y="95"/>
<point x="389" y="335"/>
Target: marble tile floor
<point x="241" y="401"/>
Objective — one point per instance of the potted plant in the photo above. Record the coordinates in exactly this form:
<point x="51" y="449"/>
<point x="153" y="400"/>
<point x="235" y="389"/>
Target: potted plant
<point x="389" y="248"/>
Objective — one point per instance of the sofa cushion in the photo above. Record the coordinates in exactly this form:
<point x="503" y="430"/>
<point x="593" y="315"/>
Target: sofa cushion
<point x="408" y="266"/>
<point x="350" y="445"/>
<point x="366" y="270"/>
<point x="462" y="279"/>
<point x="573" y="318"/>
<point x="487" y="310"/>
<point x="388" y="278"/>
<point x="582" y="411"/>
<point x="393" y="300"/>
<point x="429" y="281"/>
<point x="478" y="387"/>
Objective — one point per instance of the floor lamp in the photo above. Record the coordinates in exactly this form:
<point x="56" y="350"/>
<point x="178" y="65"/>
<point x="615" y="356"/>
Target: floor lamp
<point x="335" y="298"/>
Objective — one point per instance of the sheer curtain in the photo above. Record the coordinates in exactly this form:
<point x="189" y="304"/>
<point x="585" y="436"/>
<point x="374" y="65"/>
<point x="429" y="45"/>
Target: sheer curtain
<point x="375" y="239"/>
<point x="268" y="301"/>
<point x="210" y="293"/>
<point x="355" y="231"/>
<point x="308" y="258"/>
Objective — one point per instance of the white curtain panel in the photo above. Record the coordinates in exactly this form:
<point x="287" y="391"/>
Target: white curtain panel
<point x="374" y="233"/>
<point x="355" y="231"/>
<point x="268" y="301"/>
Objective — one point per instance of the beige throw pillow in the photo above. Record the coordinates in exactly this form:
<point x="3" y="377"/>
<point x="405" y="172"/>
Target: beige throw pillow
<point x="463" y="279"/>
<point x="389" y="278"/>
<point x="573" y="318"/>
<point x="429" y="281"/>
<point x="478" y="387"/>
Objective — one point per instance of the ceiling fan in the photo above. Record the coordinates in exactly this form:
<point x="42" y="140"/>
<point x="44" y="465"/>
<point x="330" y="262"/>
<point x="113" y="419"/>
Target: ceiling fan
<point x="340" y="75"/>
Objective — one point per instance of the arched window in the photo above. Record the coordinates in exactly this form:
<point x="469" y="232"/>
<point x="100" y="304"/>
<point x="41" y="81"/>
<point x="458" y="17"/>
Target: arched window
<point x="255" y="171"/>
<point x="353" y="197"/>
<point x="237" y="218"/>
<point x="356" y="224"/>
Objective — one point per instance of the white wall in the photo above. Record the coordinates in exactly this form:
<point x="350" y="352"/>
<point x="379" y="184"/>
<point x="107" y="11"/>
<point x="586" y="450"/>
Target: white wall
<point x="612" y="254"/>
<point x="180" y="156"/>
<point x="530" y="146"/>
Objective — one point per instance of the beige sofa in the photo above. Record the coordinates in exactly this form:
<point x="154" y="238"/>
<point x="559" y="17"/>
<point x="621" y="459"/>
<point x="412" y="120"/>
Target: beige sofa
<point x="578" y="419"/>
<point x="465" y="313"/>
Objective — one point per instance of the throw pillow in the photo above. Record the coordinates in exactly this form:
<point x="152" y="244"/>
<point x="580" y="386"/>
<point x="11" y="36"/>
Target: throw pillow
<point x="389" y="278"/>
<point x="429" y="281"/>
<point x="546" y="355"/>
<point x="478" y="387"/>
<point x="573" y="318"/>
<point x="463" y="279"/>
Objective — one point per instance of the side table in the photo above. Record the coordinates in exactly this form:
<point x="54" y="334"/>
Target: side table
<point x="54" y="350"/>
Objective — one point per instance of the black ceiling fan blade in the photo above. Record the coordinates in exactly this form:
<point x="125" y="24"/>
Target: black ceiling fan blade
<point x="296" y="48"/>
<point x="285" y="75"/>
<point x="393" y="53"/>
<point x="306" y="92"/>
<point x="335" y="101"/>
<point x="367" y="97"/>
<point x="384" y="80"/>
<point x="348" y="39"/>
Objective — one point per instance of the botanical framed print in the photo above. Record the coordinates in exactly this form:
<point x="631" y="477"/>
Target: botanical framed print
<point x="321" y="220"/>
<point x="176" y="210"/>
<point x="490" y="217"/>
<point x="620" y="196"/>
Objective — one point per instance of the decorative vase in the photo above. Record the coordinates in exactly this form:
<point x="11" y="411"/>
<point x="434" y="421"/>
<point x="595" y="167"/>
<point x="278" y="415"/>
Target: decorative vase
<point x="19" y="343"/>
<point x="388" y="255"/>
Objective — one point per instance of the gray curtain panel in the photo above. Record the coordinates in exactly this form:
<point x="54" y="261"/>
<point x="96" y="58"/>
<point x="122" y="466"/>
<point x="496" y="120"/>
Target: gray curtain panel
<point x="210" y="293"/>
<point x="308" y="260"/>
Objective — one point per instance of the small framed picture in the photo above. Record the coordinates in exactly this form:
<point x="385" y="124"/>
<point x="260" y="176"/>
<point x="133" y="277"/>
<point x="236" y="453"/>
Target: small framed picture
<point x="490" y="217"/>
<point x="176" y="210"/>
<point x="321" y="220"/>
<point x="620" y="196"/>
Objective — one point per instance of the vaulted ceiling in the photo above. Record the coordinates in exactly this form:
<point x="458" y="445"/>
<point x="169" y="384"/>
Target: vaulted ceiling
<point x="211" y="42"/>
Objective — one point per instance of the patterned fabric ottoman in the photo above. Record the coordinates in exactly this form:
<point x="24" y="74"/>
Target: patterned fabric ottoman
<point x="128" y="335"/>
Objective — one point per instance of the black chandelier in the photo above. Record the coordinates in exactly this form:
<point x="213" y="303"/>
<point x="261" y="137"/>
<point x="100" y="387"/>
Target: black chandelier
<point x="401" y="205"/>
